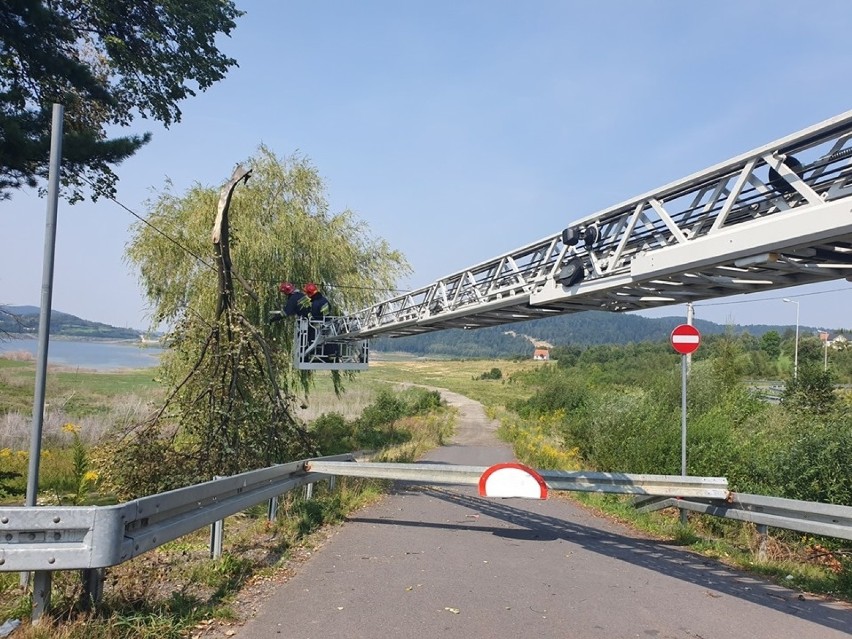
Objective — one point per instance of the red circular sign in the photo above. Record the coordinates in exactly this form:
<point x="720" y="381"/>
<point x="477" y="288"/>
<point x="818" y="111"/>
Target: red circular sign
<point x="685" y="339"/>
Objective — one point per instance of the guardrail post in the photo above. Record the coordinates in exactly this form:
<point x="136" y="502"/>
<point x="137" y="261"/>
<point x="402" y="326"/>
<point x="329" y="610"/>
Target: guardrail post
<point x="217" y="533"/>
<point x="332" y="483"/>
<point x="309" y="491"/>
<point x="272" y="509"/>
<point x="93" y="586"/>
<point x="42" y="582"/>
<point x="762" y="537"/>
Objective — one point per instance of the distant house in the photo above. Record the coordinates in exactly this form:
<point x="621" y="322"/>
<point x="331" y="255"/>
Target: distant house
<point x="541" y="354"/>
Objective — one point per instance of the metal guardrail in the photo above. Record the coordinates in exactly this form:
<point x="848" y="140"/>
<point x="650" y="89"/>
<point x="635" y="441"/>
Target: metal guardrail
<point x="90" y="538"/>
<point x="583" y="481"/>
<point x="49" y="538"/>
<point x="816" y="518"/>
<point x="85" y="537"/>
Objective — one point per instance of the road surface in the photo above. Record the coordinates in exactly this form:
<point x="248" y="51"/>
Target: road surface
<point x="442" y="562"/>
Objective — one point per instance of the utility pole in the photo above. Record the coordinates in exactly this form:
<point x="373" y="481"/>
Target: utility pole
<point x="42" y="581"/>
<point x="46" y="300"/>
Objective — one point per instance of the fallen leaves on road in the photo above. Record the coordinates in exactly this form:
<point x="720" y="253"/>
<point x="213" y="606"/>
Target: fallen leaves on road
<point x="455" y="611"/>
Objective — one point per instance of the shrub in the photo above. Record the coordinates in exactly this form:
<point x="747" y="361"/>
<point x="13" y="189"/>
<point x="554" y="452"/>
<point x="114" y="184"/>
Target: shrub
<point x="334" y="435"/>
<point x="557" y="392"/>
<point x="386" y="409"/>
<point x="812" y="462"/>
<point x="812" y="391"/>
<point x="379" y="423"/>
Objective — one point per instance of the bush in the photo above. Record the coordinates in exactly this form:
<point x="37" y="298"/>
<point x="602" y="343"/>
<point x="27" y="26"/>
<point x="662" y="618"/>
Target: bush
<point x="423" y="401"/>
<point x="386" y="409"/>
<point x="557" y="392"/>
<point x="812" y="391"/>
<point x="334" y="435"/>
<point x="377" y="427"/>
<point x="812" y="462"/>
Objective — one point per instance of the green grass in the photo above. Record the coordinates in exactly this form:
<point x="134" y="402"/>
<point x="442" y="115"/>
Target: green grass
<point x="458" y="376"/>
<point x="78" y="393"/>
<point x="177" y="588"/>
<point x="170" y="591"/>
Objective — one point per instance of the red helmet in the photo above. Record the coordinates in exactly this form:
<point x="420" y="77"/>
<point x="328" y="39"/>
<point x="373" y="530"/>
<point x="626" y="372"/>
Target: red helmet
<point x="310" y="289"/>
<point x="286" y="287"/>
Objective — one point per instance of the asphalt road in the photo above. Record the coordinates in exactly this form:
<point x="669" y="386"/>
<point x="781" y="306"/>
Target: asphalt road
<point x="442" y="562"/>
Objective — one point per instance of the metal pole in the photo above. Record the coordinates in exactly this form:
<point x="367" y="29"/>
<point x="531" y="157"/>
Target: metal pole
<point x="762" y="541"/>
<point x="690" y="319"/>
<point x="683" y="429"/>
<point x="217" y="534"/>
<point x="683" y="420"/>
<point x="217" y="537"/>
<point x="687" y="368"/>
<point x="42" y="588"/>
<point x="796" y="350"/>
<point x="46" y="297"/>
<point x="272" y="509"/>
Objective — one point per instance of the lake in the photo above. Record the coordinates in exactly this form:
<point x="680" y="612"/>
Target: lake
<point x="102" y="356"/>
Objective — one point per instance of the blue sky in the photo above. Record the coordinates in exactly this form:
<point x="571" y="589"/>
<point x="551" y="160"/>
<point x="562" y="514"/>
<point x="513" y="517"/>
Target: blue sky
<point x="459" y="130"/>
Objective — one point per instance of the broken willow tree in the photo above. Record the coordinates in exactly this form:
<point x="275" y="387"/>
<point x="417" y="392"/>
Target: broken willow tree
<point x="230" y="385"/>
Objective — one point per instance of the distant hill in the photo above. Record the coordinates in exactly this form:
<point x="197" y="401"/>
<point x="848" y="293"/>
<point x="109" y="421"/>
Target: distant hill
<point x="23" y="320"/>
<point x="580" y="329"/>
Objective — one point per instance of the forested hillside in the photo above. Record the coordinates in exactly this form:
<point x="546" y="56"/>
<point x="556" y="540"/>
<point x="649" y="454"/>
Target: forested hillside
<point x="510" y="340"/>
<point x="18" y="321"/>
<point x="583" y="329"/>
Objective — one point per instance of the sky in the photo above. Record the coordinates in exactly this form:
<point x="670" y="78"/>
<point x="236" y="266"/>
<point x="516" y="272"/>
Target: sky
<point x="462" y="129"/>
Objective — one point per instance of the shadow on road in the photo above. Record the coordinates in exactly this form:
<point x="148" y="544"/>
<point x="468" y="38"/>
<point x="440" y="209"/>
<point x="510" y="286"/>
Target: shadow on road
<point x="651" y="554"/>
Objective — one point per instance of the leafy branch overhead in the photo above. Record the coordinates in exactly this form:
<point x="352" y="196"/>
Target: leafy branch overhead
<point x="107" y="62"/>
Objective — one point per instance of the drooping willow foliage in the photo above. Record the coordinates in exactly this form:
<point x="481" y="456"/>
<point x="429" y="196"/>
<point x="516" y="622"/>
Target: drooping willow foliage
<point x="228" y="372"/>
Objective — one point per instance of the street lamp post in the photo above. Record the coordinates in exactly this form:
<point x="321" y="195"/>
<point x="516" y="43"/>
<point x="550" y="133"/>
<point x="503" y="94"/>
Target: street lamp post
<point x="796" y="349"/>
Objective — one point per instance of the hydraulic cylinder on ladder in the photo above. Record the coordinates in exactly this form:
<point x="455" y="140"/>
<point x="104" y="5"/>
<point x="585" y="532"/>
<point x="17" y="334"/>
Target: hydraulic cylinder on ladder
<point x="775" y="217"/>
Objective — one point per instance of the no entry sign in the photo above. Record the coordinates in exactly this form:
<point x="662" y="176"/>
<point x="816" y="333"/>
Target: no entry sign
<point x="685" y="339"/>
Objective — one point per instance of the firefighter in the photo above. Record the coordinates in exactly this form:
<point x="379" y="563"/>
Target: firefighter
<point x="297" y="303"/>
<point x="318" y="303"/>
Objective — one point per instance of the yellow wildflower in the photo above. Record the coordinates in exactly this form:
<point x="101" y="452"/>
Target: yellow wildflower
<point x="91" y="475"/>
<point x="71" y="428"/>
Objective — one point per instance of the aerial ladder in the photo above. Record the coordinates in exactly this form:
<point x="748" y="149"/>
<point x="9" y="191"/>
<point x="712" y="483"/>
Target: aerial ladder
<point x="775" y="217"/>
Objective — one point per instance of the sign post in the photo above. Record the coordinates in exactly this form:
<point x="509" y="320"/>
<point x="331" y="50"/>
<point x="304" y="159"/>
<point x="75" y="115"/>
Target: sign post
<point x="685" y="339"/>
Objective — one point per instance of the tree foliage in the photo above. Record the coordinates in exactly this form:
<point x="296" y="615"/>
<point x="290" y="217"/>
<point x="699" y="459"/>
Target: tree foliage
<point x="770" y="344"/>
<point x="106" y="61"/>
<point x="229" y="372"/>
<point x="811" y="391"/>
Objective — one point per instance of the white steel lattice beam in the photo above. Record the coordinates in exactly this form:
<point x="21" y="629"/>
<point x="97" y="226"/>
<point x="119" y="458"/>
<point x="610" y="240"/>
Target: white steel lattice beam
<point x="777" y="216"/>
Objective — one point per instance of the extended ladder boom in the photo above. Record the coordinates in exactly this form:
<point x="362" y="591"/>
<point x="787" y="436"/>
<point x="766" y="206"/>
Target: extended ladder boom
<point x="777" y="216"/>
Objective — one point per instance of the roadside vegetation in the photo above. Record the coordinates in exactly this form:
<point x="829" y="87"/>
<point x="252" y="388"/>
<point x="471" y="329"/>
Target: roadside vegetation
<point x="602" y="407"/>
<point x="178" y="590"/>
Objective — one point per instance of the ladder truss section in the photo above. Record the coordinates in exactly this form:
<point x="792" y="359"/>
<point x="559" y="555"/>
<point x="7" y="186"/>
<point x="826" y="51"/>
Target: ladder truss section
<point x="326" y="344"/>
<point x="775" y="217"/>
